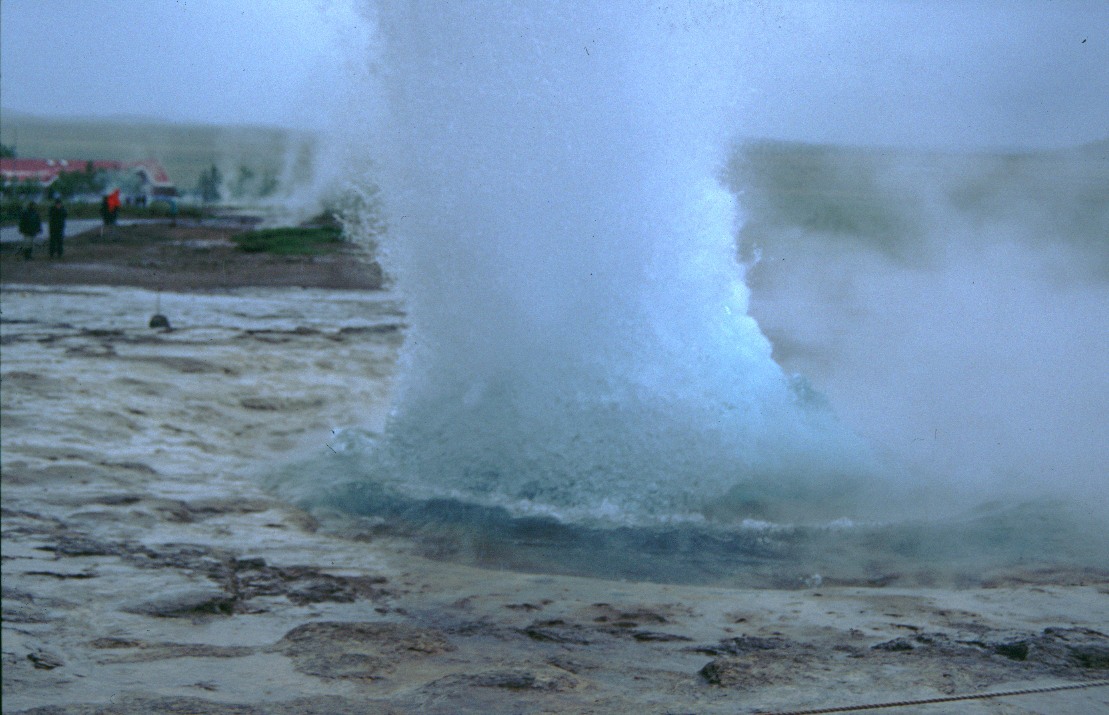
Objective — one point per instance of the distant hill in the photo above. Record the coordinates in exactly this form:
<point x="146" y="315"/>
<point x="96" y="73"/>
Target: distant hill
<point x="185" y="150"/>
<point x="897" y="201"/>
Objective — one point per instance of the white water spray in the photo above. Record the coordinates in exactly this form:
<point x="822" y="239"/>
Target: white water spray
<point x="580" y="342"/>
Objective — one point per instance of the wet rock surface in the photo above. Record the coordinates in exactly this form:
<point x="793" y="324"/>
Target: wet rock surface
<point x="358" y="650"/>
<point x="144" y="705"/>
<point x="146" y="570"/>
<point x="950" y="661"/>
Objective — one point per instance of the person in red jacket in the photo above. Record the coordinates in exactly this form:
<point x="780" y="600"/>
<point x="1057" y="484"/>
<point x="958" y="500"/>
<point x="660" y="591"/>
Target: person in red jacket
<point x="109" y="212"/>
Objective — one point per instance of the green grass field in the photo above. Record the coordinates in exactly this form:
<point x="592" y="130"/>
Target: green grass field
<point x="789" y="191"/>
<point x="185" y="150"/>
<point x="293" y="241"/>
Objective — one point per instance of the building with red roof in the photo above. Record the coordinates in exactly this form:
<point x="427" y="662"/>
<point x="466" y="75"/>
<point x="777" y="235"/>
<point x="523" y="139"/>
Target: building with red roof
<point x="153" y="179"/>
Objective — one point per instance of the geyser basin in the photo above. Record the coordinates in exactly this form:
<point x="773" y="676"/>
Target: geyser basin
<point x="1048" y="541"/>
<point x="582" y="388"/>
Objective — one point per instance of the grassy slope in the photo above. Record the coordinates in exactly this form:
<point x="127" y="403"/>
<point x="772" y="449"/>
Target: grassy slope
<point x="884" y="198"/>
<point x="291" y="241"/>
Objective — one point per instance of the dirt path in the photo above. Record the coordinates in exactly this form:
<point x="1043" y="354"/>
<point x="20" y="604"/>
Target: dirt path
<point x="162" y="257"/>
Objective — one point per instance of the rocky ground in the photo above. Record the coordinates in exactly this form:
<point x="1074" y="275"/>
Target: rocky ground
<point x="145" y="568"/>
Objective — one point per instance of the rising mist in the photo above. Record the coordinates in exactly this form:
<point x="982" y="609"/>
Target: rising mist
<point x="813" y="357"/>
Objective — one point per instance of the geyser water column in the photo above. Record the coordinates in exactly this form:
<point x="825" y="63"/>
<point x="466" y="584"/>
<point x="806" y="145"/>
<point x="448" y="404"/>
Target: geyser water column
<point x="580" y="344"/>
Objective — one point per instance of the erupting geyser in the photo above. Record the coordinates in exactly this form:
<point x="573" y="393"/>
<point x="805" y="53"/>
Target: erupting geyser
<point x="580" y="342"/>
<point x="582" y="388"/>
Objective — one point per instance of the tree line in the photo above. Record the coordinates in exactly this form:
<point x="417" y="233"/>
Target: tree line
<point x="247" y="184"/>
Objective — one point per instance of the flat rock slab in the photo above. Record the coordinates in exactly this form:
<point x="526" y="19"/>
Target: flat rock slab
<point x="185" y="603"/>
<point x="358" y="650"/>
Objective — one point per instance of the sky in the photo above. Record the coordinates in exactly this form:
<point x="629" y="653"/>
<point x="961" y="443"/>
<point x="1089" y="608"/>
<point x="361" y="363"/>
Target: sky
<point x="208" y="61"/>
<point x="1016" y="74"/>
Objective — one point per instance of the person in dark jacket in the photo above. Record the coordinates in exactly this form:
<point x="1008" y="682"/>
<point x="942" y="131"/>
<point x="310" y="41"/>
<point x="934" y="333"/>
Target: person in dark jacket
<point x="30" y="225"/>
<point x="105" y="216"/>
<point x="57" y="228"/>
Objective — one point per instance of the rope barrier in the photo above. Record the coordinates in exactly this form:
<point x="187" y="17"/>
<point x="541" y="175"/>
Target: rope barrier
<point x="948" y="699"/>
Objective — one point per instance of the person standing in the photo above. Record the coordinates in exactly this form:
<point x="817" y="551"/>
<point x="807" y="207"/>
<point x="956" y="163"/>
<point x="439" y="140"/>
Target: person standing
<point x="109" y="213"/>
<point x="105" y="216"/>
<point x="30" y="225"/>
<point x="57" y="228"/>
